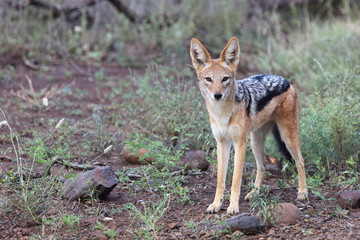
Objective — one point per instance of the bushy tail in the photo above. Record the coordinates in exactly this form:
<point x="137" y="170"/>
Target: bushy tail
<point x="281" y="145"/>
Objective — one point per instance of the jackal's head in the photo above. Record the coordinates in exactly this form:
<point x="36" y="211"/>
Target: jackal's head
<point x="216" y="76"/>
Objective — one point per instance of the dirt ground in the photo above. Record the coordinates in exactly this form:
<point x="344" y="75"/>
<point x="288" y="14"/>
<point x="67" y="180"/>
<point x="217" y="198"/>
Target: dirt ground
<point x="319" y="221"/>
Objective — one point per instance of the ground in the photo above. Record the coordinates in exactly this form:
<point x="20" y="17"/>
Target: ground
<point x="321" y="217"/>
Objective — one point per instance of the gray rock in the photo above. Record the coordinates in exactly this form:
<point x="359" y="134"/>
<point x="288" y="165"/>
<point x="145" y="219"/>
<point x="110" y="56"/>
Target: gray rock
<point x="245" y="223"/>
<point x="103" y="179"/>
<point x="287" y="213"/>
<point x="349" y="199"/>
<point x="195" y="160"/>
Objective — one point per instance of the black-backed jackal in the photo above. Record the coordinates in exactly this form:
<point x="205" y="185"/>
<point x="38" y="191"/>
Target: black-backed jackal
<point x="236" y="107"/>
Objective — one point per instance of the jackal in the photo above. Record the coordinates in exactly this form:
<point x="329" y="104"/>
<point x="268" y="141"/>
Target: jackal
<point x="236" y="107"/>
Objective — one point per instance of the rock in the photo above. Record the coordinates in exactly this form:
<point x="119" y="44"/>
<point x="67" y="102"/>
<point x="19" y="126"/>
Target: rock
<point x="102" y="178"/>
<point x="195" y="160"/>
<point x="245" y="223"/>
<point x="349" y="199"/>
<point x="51" y="211"/>
<point x="273" y="168"/>
<point x="107" y="219"/>
<point x="287" y="213"/>
<point x="101" y="237"/>
<point x="134" y="157"/>
<point x="173" y="225"/>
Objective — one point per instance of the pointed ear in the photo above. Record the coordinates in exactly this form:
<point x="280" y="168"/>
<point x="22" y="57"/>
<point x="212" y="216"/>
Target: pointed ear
<point x="199" y="55"/>
<point x="231" y="53"/>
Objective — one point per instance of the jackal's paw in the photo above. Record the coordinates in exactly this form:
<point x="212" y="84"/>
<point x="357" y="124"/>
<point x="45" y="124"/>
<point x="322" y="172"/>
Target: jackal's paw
<point x="249" y="195"/>
<point x="302" y="195"/>
<point x="213" y="208"/>
<point x="232" y="209"/>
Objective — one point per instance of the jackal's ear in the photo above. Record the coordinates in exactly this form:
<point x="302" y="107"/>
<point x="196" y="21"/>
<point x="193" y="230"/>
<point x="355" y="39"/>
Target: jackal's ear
<point x="199" y="55"/>
<point x="231" y="53"/>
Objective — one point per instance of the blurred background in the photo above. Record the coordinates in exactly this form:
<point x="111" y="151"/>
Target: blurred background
<point x="132" y="33"/>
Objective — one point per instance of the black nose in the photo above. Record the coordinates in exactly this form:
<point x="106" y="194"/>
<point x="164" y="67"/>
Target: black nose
<point x="217" y="96"/>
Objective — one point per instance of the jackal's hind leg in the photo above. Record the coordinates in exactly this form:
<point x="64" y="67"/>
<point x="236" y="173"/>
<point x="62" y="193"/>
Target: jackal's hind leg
<point x="287" y="121"/>
<point x="292" y="142"/>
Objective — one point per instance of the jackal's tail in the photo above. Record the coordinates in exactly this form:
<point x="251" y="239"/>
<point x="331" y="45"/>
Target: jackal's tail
<point x="281" y="145"/>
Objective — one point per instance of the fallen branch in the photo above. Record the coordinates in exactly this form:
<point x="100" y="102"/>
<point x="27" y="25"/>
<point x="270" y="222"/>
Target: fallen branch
<point x="55" y="10"/>
<point x="65" y="10"/>
<point x="5" y="158"/>
<point x="67" y="164"/>
<point x="126" y="11"/>
<point x="75" y="165"/>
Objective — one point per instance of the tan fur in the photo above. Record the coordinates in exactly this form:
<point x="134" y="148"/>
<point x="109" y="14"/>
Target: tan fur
<point x="230" y="123"/>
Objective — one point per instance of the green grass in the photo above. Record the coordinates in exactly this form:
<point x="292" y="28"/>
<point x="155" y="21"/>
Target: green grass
<point x="168" y="106"/>
<point x="324" y="65"/>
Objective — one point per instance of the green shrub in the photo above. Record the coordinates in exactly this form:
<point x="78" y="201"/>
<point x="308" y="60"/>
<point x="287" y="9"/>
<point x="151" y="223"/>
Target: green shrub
<point x="166" y="106"/>
<point x="329" y="131"/>
<point x="309" y="58"/>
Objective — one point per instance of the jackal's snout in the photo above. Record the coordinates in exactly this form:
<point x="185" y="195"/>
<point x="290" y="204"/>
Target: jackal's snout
<point x="218" y="96"/>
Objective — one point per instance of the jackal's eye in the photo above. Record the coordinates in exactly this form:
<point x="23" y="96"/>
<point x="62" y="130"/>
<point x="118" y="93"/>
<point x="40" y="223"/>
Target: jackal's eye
<point x="208" y="79"/>
<point x="225" y="79"/>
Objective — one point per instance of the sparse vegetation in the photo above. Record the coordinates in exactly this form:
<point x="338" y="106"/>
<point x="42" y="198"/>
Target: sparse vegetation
<point x="81" y="67"/>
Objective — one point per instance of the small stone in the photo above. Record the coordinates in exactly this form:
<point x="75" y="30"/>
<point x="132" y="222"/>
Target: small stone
<point x="101" y="237"/>
<point x="273" y="168"/>
<point x="173" y="225"/>
<point x="349" y="199"/>
<point x="195" y="160"/>
<point x="133" y="157"/>
<point x="103" y="179"/>
<point x="108" y="219"/>
<point x="51" y="211"/>
<point x="287" y="213"/>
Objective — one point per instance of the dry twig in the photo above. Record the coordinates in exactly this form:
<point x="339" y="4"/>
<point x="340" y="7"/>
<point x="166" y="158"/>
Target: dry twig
<point x="33" y="97"/>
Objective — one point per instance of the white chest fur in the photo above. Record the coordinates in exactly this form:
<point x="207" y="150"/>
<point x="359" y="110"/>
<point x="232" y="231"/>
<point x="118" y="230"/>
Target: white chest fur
<point x="221" y="126"/>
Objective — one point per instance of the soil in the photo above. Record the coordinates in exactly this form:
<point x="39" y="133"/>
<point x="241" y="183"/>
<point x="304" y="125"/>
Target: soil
<point x="321" y="217"/>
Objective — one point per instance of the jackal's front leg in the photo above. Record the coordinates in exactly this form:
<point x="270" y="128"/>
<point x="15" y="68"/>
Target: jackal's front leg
<point x="223" y="154"/>
<point x="237" y="175"/>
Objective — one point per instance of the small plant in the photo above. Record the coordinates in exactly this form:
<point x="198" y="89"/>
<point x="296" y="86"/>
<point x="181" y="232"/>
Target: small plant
<point x="238" y="235"/>
<point x="264" y="206"/>
<point x="71" y="221"/>
<point x="99" y="225"/>
<point x="99" y="75"/>
<point x="110" y="233"/>
<point x="307" y="232"/>
<point x="31" y="195"/>
<point x="92" y="193"/>
<point x="318" y="192"/>
<point x="35" y="98"/>
<point x="68" y="74"/>
<point x="149" y="215"/>
<point x="193" y="226"/>
<point x="160" y="175"/>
